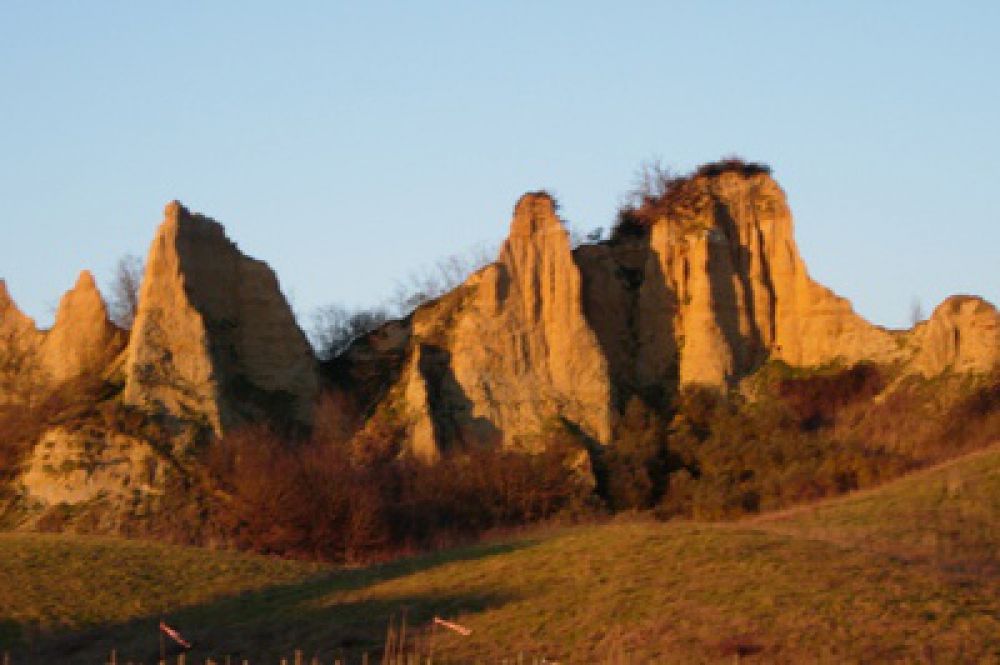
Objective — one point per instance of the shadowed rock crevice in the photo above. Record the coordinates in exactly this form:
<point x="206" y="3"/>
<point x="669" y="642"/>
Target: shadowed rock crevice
<point x="625" y="299"/>
<point x="455" y="425"/>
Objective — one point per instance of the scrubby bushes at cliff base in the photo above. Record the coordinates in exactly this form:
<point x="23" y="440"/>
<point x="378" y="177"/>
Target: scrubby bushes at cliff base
<point x="707" y="456"/>
<point x="313" y="500"/>
<point x="810" y="434"/>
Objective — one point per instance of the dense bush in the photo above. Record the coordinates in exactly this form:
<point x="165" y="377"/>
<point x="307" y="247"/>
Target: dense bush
<point x="816" y="399"/>
<point x="743" y="458"/>
<point x="633" y="471"/>
<point x="659" y="193"/>
<point x="317" y="499"/>
<point x="934" y="419"/>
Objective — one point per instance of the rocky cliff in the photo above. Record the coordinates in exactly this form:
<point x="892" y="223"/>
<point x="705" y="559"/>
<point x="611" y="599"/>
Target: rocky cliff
<point x="214" y="345"/>
<point x="714" y="286"/>
<point x="214" y="338"/>
<point x="701" y="284"/>
<point x="706" y="288"/>
<point x="82" y="341"/>
<point x="509" y="353"/>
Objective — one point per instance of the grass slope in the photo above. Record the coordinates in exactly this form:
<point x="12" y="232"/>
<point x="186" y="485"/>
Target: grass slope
<point x="905" y="573"/>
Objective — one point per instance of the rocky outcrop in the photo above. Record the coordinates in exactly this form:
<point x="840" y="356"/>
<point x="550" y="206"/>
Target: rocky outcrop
<point x="83" y="339"/>
<point x="13" y="319"/>
<point x="742" y="292"/>
<point x="71" y="468"/>
<point x="722" y="289"/>
<point x="504" y="356"/>
<point x="708" y="288"/>
<point x="962" y="336"/>
<point x="214" y="338"/>
<point x="522" y="351"/>
<point x="704" y="293"/>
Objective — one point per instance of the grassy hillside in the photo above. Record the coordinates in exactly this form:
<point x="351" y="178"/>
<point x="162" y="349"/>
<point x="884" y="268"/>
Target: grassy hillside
<point x="908" y="573"/>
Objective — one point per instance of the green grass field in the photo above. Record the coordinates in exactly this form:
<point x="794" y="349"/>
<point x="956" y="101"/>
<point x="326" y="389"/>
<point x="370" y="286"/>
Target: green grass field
<point x="906" y="573"/>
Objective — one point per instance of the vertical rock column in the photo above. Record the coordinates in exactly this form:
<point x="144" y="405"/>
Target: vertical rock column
<point x="523" y="352"/>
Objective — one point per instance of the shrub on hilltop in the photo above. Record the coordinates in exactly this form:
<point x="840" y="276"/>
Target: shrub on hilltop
<point x="660" y="193"/>
<point x="322" y="499"/>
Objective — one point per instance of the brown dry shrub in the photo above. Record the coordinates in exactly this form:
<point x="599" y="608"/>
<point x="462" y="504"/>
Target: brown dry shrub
<point x="318" y="500"/>
<point x="932" y="420"/>
<point x="816" y="400"/>
<point x="661" y="194"/>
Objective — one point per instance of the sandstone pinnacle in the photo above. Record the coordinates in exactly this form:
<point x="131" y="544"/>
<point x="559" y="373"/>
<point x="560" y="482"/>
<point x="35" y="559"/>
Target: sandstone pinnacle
<point x="214" y="337"/>
<point x="83" y="339"/>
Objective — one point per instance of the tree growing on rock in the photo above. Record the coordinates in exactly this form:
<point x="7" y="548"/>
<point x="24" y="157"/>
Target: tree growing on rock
<point x="125" y="291"/>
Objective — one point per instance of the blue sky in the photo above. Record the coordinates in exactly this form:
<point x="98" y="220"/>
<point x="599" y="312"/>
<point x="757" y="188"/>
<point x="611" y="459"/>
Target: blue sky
<point x="350" y="143"/>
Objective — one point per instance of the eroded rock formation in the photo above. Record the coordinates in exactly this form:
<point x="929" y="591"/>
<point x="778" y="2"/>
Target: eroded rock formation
<point x="83" y="339"/>
<point x="706" y="290"/>
<point x="711" y="287"/>
<point x="504" y="356"/>
<point x="214" y="338"/>
<point x="124" y="473"/>
<point x="962" y="336"/>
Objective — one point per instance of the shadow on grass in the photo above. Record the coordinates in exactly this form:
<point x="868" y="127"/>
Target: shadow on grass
<point x="269" y="623"/>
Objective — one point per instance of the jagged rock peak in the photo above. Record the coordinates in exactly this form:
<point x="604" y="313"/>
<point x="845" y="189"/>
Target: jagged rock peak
<point x="174" y="209"/>
<point x="176" y="215"/>
<point x="214" y="337"/>
<point x="725" y="288"/>
<point x="518" y="353"/>
<point x="84" y="294"/>
<point x="15" y="325"/>
<point x="83" y="337"/>
<point x="534" y="212"/>
<point x="19" y="341"/>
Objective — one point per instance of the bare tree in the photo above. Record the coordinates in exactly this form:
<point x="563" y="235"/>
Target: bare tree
<point x="916" y="311"/>
<point x="652" y="180"/>
<point x="335" y="327"/>
<point x="577" y="237"/>
<point x="125" y="290"/>
<point x="434" y="281"/>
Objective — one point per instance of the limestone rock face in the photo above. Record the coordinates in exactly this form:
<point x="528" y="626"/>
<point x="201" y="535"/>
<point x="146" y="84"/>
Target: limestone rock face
<point x="83" y="338"/>
<point x="962" y="336"/>
<point x="523" y="352"/>
<point x="76" y="467"/>
<point x="725" y="289"/>
<point x="214" y="338"/>
<point x="508" y="353"/>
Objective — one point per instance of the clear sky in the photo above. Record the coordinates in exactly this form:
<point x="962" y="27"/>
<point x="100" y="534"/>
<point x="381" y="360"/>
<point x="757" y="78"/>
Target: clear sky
<point x="350" y="143"/>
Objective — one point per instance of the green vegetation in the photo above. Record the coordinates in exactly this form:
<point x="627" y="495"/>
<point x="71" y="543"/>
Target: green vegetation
<point x="903" y="573"/>
<point x="807" y="434"/>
